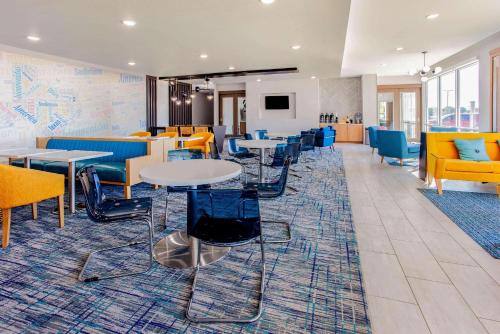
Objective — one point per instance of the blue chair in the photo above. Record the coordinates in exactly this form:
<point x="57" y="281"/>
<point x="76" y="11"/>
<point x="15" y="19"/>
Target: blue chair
<point x="239" y="152"/>
<point x="393" y="144"/>
<point x="324" y="138"/>
<point x="307" y="140"/>
<point x="261" y="134"/>
<point x="443" y="129"/>
<point x="372" y="135"/>
<point x="248" y="136"/>
<point x="106" y="210"/>
<point x="224" y="218"/>
<point x="293" y="139"/>
<point x="274" y="189"/>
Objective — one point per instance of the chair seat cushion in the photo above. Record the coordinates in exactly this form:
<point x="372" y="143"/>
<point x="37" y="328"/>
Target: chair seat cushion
<point x="413" y="148"/>
<point x="126" y="208"/>
<point x="457" y="165"/>
<point x="222" y="231"/>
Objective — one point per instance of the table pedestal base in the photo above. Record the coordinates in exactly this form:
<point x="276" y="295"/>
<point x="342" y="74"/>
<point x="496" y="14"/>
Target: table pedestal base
<point x="175" y="251"/>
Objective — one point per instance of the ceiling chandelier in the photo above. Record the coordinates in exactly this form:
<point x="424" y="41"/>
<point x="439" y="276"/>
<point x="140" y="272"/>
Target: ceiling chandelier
<point x="187" y="98"/>
<point x="426" y="70"/>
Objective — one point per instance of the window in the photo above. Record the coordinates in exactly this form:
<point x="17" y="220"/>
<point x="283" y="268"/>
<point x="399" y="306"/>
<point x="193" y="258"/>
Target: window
<point x="447" y="98"/>
<point x="432" y="103"/>
<point x="452" y="99"/>
<point x="468" y="93"/>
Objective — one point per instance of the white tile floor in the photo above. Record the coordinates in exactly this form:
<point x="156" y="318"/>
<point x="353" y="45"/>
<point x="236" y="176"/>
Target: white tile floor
<point x="421" y="272"/>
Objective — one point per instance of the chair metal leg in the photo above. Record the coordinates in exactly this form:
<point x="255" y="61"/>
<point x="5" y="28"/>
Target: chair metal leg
<point x="193" y="318"/>
<point x="279" y="241"/>
<point x="99" y="278"/>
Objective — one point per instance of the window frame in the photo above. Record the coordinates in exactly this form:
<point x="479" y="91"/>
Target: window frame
<point x="456" y="70"/>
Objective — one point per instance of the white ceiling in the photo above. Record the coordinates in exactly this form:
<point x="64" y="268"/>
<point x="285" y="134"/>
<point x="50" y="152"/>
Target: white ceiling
<point x="377" y="27"/>
<point x="170" y="35"/>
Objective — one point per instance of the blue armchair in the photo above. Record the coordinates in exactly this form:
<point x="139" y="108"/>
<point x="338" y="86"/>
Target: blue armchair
<point x="324" y="137"/>
<point x="372" y="134"/>
<point x="261" y="134"/>
<point x="393" y="144"/>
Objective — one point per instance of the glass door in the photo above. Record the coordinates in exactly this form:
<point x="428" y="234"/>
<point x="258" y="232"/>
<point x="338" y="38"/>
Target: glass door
<point x="409" y="116"/>
<point x="385" y="109"/>
<point x="232" y="112"/>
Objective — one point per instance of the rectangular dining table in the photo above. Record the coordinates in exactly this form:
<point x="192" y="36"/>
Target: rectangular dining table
<point x="70" y="157"/>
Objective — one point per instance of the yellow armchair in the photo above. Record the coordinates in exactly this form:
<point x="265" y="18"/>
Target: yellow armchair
<point x="203" y="143"/>
<point x="444" y="163"/>
<point x="168" y="134"/>
<point x="21" y="186"/>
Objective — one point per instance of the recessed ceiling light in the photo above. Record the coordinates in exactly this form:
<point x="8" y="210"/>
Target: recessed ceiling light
<point x="313" y="77"/>
<point x="131" y="63"/>
<point x="400" y="48"/>
<point x="267" y="2"/>
<point x="203" y="56"/>
<point x="129" y="23"/>
<point x="259" y="80"/>
<point x="33" y="38"/>
<point x="383" y="65"/>
<point x="432" y="16"/>
<point x="296" y="47"/>
<point x="232" y="68"/>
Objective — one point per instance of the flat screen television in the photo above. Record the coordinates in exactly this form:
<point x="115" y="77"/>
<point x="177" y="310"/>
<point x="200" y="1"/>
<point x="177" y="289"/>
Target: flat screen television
<point x="277" y="102"/>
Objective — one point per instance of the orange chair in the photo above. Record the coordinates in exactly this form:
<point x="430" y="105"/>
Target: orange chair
<point x="203" y="143"/>
<point x="198" y="129"/>
<point x="172" y="129"/>
<point x="21" y="186"/>
<point x="140" y="134"/>
<point x="186" y="130"/>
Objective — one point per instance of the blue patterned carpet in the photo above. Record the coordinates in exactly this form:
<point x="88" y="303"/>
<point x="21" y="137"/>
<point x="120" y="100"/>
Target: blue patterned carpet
<point x="478" y="214"/>
<point x="313" y="284"/>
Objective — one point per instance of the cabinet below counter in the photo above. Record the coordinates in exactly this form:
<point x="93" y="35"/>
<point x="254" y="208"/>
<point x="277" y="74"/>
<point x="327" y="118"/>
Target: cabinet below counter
<point x="347" y="132"/>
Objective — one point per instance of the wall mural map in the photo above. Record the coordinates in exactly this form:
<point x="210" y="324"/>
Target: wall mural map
<point x="45" y="98"/>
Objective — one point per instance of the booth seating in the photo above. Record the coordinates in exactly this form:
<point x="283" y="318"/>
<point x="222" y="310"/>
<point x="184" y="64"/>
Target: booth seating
<point x="443" y="161"/>
<point x="121" y="168"/>
<point x="203" y="143"/>
<point x="140" y="134"/>
<point x="21" y="186"/>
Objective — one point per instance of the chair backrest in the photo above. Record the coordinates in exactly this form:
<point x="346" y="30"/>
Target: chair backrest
<point x="443" y="129"/>
<point x="293" y="149"/>
<point x="372" y="134"/>
<point x="214" y="151"/>
<point x="293" y="139"/>
<point x="140" y="134"/>
<point x="307" y="141"/>
<point x="261" y="134"/>
<point x="233" y="147"/>
<point x="392" y="143"/>
<point x="198" y="129"/>
<point x="223" y="216"/>
<point x="184" y="154"/>
<point x="186" y="130"/>
<point x="172" y="129"/>
<point x="248" y="136"/>
<point x="279" y="155"/>
<point x="92" y="191"/>
<point x="168" y="134"/>
<point x="284" y="176"/>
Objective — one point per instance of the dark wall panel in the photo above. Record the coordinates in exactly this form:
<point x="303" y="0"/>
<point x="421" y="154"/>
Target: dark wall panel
<point x="179" y="114"/>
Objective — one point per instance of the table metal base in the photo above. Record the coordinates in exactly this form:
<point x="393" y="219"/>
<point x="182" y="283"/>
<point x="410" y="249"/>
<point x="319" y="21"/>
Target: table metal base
<point x="175" y="251"/>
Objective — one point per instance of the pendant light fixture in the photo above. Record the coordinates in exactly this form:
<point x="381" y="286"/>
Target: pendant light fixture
<point x="426" y="70"/>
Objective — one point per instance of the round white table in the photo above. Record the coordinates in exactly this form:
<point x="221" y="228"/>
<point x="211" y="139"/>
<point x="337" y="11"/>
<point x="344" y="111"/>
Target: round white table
<point x="282" y="135"/>
<point x="177" y="250"/>
<point x="262" y="145"/>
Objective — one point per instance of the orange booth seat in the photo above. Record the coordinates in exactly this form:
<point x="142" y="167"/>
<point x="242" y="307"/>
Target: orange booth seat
<point x="203" y="143"/>
<point x="21" y="186"/>
<point x="443" y="161"/>
<point x="140" y="134"/>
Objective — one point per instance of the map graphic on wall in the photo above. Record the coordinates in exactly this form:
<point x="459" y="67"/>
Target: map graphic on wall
<point x="40" y="97"/>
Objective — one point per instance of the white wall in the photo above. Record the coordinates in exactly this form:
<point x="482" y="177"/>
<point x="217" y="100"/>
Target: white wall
<point x="398" y="80"/>
<point x="162" y="103"/>
<point x="307" y="104"/>
<point x="478" y="51"/>
<point x="341" y="96"/>
<point x="369" y="93"/>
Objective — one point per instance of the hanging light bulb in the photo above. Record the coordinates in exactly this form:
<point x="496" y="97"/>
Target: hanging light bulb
<point x="173" y="98"/>
<point x="424" y="79"/>
<point x="210" y="97"/>
<point x="188" y="101"/>
<point x="192" y="95"/>
<point x="178" y="102"/>
<point x="438" y="70"/>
